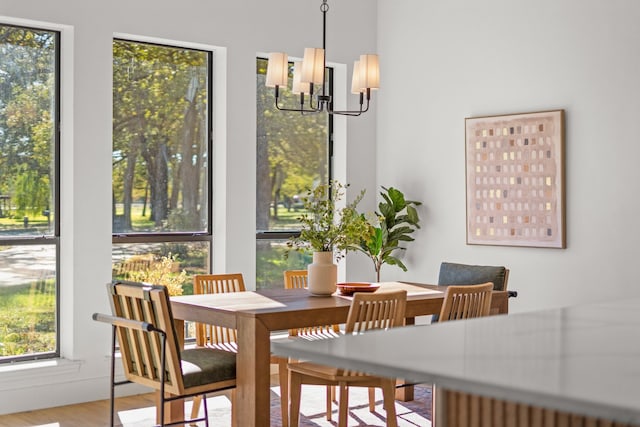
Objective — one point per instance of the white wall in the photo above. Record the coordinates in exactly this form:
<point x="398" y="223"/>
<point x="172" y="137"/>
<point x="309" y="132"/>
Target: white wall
<point x="444" y="61"/>
<point x="242" y="29"/>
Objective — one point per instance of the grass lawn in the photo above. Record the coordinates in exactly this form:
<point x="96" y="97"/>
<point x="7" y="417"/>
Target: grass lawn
<point x="27" y="318"/>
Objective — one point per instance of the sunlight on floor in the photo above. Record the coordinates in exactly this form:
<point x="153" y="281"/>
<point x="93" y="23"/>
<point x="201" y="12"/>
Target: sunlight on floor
<point x="312" y="411"/>
<point x="219" y="413"/>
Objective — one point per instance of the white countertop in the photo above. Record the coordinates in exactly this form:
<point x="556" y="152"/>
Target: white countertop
<point x="583" y="359"/>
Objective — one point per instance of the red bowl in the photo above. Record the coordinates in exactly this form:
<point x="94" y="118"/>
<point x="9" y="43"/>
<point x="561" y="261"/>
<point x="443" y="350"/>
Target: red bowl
<point x="349" y="288"/>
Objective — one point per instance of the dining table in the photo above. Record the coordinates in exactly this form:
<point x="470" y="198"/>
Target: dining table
<point x="256" y="315"/>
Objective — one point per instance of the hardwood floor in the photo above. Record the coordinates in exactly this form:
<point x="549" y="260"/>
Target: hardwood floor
<point x="139" y="411"/>
<point x="91" y="414"/>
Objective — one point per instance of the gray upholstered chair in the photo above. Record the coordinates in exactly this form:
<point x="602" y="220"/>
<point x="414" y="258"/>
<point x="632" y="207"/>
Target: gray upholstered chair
<point x="466" y="274"/>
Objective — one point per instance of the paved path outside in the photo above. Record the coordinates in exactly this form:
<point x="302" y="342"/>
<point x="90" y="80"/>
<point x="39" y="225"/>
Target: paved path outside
<point x="20" y="265"/>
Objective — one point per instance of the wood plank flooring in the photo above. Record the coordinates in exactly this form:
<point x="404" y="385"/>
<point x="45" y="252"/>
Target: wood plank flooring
<point x="139" y="411"/>
<point x="91" y="414"/>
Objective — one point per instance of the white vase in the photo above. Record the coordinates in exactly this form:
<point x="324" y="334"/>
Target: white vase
<point x="322" y="274"/>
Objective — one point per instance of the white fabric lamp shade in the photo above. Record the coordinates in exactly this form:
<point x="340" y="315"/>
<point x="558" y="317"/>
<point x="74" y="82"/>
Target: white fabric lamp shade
<point x="277" y="70"/>
<point x="356" y="87"/>
<point x="313" y="66"/>
<point x="369" y="72"/>
<point x="298" y="85"/>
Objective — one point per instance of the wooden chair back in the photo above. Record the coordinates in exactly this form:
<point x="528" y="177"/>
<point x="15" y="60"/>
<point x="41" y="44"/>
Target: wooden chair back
<point x="210" y="335"/>
<point x="134" y="264"/>
<point x="140" y="350"/>
<point x="297" y="279"/>
<point x="380" y="310"/>
<point x="466" y="301"/>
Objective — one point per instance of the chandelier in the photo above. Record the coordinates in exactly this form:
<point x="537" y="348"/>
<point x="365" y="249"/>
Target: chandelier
<point x="309" y="77"/>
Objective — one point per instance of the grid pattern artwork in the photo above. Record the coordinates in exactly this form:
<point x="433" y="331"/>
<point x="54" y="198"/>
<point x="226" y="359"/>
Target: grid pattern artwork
<point x="515" y="179"/>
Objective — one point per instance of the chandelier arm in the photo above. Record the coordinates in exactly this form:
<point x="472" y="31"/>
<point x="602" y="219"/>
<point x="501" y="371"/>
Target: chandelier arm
<point x="295" y="110"/>
<point x="354" y="113"/>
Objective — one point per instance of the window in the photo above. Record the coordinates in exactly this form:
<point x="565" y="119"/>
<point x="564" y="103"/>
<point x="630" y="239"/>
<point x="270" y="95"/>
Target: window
<point x="293" y="155"/>
<point x="162" y="122"/>
<point x="29" y="192"/>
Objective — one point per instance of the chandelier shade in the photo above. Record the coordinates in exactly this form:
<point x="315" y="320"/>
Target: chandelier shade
<point x="278" y="70"/>
<point x="313" y="66"/>
<point x="299" y="87"/>
<point x="369" y="72"/>
<point x="356" y="87"/>
<point x="309" y="77"/>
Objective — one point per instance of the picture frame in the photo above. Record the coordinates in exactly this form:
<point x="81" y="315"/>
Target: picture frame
<point x="515" y="179"/>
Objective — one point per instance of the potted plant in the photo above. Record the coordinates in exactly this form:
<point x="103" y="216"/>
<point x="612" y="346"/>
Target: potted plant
<point x="328" y="232"/>
<point x="395" y="222"/>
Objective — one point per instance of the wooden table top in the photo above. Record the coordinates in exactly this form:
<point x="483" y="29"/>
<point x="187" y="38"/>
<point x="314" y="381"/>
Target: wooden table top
<point x="298" y="304"/>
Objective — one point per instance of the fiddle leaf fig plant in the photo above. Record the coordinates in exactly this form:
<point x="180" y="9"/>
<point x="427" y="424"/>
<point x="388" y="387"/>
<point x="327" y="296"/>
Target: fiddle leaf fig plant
<point x="326" y="228"/>
<point x="396" y="220"/>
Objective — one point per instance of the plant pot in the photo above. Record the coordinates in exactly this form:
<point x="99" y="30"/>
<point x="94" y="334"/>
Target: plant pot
<point x="322" y="274"/>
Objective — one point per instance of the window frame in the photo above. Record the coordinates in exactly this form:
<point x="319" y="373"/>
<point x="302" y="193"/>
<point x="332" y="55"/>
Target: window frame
<point x="54" y="238"/>
<point x="182" y="236"/>
<point x="283" y="235"/>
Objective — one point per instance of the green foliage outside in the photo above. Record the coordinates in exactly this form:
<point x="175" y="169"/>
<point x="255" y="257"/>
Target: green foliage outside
<point x="27" y="180"/>
<point x="160" y="128"/>
<point x="271" y="263"/>
<point x="292" y="153"/>
<point x="162" y="272"/>
<point x="27" y="318"/>
<point x="27" y="116"/>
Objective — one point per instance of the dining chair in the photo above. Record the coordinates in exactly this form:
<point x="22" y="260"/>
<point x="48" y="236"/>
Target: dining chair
<point x="468" y="274"/>
<point x="297" y="279"/>
<point x="142" y="324"/>
<point x="462" y="302"/>
<point x="221" y="338"/>
<point x="466" y="301"/>
<point x="368" y="311"/>
<point x="214" y="336"/>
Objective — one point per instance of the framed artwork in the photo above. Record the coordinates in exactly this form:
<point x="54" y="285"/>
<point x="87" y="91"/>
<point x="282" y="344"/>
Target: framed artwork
<point x="515" y="180"/>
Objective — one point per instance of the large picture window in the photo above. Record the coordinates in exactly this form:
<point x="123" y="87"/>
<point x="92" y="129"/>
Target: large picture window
<point x="161" y="164"/>
<point x="29" y="192"/>
<point x="293" y="155"/>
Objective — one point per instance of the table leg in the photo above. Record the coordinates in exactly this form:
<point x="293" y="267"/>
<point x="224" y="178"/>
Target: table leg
<point x="252" y="373"/>
<point x="404" y="393"/>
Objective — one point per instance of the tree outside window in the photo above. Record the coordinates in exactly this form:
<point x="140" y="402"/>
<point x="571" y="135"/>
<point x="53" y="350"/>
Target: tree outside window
<point x="293" y="155"/>
<point x="161" y="199"/>
<point x="29" y="192"/>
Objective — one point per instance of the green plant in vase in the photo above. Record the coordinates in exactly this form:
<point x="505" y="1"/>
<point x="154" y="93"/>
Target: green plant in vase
<point x="326" y="228"/>
<point x="396" y="220"/>
<point x="328" y="231"/>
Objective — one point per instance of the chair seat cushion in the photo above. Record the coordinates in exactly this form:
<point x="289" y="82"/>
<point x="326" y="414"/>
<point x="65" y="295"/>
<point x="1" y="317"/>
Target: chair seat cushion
<point x="206" y="365"/>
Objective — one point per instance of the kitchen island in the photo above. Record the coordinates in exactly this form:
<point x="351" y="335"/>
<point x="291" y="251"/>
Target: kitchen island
<point x="580" y="364"/>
